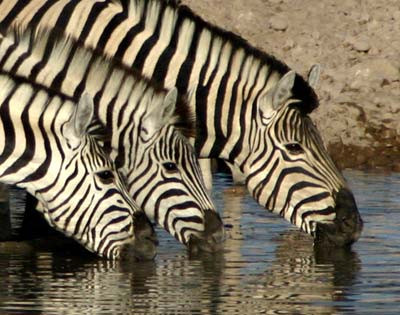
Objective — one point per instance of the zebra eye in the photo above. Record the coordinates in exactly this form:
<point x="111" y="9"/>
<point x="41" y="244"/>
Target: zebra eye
<point x="294" y="148"/>
<point x="170" y="167"/>
<point x="106" y="177"/>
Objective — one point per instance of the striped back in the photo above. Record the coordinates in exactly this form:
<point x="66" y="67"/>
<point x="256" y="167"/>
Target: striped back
<point x="146" y="130"/>
<point x="228" y="79"/>
<point x="47" y="148"/>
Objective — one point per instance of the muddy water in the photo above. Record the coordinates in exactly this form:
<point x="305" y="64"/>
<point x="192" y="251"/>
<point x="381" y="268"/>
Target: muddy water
<point x="266" y="267"/>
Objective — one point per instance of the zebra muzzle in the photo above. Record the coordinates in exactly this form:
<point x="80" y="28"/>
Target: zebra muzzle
<point x="211" y="239"/>
<point x="144" y="245"/>
<point x="346" y="227"/>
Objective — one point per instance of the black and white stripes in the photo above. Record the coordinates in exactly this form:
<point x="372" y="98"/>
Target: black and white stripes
<point x="46" y="147"/>
<point x="158" y="162"/>
<point x="232" y="85"/>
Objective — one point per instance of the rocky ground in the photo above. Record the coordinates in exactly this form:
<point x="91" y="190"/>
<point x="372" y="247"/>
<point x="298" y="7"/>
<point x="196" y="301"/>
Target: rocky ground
<point x="356" y="42"/>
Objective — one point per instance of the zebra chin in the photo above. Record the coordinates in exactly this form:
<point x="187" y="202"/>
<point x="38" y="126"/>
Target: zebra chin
<point x="211" y="239"/>
<point x="144" y="244"/>
<point x="346" y="228"/>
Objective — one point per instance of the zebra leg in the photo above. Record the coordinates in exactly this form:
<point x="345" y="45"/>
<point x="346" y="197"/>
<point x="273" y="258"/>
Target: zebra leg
<point x="5" y="215"/>
<point x="19" y="219"/>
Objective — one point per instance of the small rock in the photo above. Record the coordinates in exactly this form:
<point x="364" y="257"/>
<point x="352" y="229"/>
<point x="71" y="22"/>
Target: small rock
<point x="396" y="15"/>
<point x="315" y="35"/>
<point x="278" y="23"/>
<point x="289" y="44"/>
<point x="374" y="51"/>
<point x="387" y="133"/>
<point x="385" y="69"/>
<point x="361" y="45"/>
<point x="374" y="72"/>
<point x="364" y="18"/>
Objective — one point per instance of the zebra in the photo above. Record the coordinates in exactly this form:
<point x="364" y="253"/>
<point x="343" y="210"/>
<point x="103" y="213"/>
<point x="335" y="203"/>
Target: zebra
<point x="50" y="147"/>
<point x="252" y="110"/>
<point x="147" y="135"/>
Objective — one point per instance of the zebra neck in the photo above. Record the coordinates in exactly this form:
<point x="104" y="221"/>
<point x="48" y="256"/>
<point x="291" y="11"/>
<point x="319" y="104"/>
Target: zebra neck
<point x="30" y="135"/>
<point x="121" y="98"/>
<point x="222" y="74"/>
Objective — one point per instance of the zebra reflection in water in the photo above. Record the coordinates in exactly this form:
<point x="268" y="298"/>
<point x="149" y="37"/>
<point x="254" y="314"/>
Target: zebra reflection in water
<point x="262" y="268"/>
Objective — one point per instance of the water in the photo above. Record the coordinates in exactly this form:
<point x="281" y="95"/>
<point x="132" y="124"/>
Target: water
<point x="267" y="267"/>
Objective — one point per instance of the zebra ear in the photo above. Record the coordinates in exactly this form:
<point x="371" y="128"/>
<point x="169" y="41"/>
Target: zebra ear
<point x="283" y="90"/>
<point x="157" y="117"/>
<point x="313" y="75"/>
<point x="81" y="118"/>
<point x="169" y="104"/>
<point x="83" y="114"/>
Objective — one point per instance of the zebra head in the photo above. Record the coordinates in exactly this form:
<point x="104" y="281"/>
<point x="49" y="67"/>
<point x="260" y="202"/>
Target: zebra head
<point x="165" y="179"/>
<point x="302" y="183"/>
<point x="91" y="203"/>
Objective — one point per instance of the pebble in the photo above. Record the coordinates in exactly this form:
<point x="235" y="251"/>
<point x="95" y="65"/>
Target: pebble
<point x="289" y="44"/>
<point x="364" y="18"/>
<point x="374" y="73"/>
<point x="361" y="45"/>
<point x="374" y="51"/>
<point x="386" y="69"/>
<point x="315" y="35"/>
<point x="396" y="15"/>
<point x="278" y="23"/>
<point x="387" y="133"/>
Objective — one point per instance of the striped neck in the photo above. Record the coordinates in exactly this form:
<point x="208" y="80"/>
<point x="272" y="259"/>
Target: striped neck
<point x="30" y="134"/>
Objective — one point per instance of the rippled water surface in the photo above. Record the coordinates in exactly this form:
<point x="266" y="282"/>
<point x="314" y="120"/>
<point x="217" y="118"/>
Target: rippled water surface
<point x="267" y="267"/>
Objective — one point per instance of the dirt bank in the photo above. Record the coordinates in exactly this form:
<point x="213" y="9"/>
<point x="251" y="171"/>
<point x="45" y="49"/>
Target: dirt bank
<point x="358" y="46"/>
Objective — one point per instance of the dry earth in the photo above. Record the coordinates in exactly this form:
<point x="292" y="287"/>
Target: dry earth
<point x="356" y="42"/>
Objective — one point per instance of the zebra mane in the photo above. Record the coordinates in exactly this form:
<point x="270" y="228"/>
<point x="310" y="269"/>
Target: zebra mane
<point x="41" y="39"/>
<point x="302" y="91"/>
<point x="96" y="128"/>
<point x="98" y="131"/>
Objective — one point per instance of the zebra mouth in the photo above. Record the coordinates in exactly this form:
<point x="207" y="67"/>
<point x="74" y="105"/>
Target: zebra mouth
<point x="211" y="239"/>
<point x="337" y="234"/>
<point x="139" y="250"/>
<point x="210" y="244"/>
<point x="346" y="228"/>
<point x="144" y="244"/>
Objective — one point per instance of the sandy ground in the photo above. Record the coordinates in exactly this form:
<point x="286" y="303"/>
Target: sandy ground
<point x="356" y="42"/>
